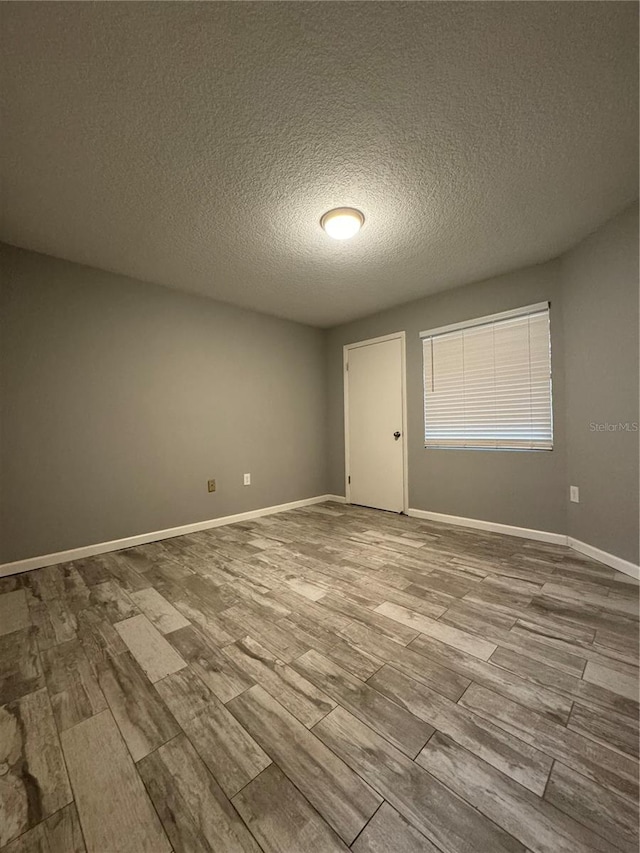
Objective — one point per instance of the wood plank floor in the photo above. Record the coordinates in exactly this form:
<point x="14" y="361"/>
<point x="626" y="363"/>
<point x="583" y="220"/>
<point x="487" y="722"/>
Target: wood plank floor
<point x="323" y="679"/>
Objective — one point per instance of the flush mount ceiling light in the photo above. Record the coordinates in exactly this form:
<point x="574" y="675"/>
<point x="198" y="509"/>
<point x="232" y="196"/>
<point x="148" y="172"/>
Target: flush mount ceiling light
<point x="341" y="223"/>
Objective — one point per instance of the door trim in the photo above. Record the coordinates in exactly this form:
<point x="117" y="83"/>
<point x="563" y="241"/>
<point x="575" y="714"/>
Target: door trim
<point x="401" y="336"/>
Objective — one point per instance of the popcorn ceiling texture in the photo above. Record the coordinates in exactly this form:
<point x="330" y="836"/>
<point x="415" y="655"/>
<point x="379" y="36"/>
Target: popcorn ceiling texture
<point x="196" y="145"/>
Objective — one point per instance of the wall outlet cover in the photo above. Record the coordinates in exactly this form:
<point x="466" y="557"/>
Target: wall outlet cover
<point x="211" y="485"/>
<point x="574" y="494"/>
<point x="247" y="479"/>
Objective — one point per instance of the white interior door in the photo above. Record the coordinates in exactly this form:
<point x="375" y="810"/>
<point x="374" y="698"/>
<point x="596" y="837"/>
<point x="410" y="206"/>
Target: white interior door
<point x="375" y="423"/>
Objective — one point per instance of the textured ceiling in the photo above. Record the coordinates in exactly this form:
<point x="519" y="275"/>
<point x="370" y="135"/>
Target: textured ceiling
<point x="197" y="144"/>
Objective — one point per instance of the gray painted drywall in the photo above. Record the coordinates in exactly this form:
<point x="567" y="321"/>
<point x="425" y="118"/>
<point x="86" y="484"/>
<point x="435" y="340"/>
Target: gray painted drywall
<point x="526" y="489"/>
<point x="120" y="399"/>
<point x="600" y="291"/>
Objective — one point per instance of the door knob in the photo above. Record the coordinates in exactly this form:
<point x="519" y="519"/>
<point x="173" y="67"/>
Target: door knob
<point x="396" y="435"/>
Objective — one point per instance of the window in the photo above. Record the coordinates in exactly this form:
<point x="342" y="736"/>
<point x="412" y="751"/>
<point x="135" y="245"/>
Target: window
<point x="487" y="382"/>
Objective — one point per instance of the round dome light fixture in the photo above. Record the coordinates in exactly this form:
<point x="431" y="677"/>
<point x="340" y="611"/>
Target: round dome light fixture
<point x="341" y="223"/>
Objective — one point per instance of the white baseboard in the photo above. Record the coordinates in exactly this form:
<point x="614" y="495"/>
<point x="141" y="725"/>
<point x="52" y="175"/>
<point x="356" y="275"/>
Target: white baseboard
<point x="474" y="523"/>
<point x="143" y="538"/>
<point x="604" y="557"/>
<point x="491" y="526"/>
<point x="538" y="535"/>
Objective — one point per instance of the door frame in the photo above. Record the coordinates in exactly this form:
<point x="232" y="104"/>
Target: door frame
<point x="401" y="336"/>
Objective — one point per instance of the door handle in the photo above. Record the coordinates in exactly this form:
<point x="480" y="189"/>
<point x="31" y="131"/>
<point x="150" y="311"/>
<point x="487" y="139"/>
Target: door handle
<point x="397" y="435"/>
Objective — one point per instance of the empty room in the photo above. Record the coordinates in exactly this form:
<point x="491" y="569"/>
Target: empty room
<point x="319" y="428"/>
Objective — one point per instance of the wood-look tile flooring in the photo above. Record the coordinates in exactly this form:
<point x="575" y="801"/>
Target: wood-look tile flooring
<point x="326" y="678"/>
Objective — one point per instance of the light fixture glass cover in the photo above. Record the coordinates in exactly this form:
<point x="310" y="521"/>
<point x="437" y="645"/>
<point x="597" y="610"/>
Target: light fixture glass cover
<point x="341" y="223"/>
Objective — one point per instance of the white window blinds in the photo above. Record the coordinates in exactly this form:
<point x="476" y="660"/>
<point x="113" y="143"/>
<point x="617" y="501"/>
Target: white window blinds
<point x="487" y="383"/>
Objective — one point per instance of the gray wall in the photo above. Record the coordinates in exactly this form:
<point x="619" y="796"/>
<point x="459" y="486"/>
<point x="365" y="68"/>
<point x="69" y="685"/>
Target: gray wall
<point x="120" y="399"/>
<point x="600" y="289"/>
<point x="526" y="489"/>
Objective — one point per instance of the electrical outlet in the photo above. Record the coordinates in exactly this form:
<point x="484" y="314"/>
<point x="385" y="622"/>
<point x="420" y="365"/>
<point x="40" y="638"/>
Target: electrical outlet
<point x="247" y="479"/>
<point x="211" y="485"/>
<point x="574" y="494"/>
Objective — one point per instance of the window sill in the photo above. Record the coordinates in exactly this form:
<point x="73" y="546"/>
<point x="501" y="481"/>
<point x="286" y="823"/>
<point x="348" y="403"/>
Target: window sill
<point x="491" y="449"/>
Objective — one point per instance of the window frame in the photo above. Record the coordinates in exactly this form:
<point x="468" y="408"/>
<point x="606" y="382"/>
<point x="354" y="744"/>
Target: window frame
<point x="490" y="319"/>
